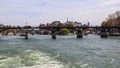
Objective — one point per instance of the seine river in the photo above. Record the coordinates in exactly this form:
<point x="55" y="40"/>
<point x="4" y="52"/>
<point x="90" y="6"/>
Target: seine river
<point x="40" y="51"/>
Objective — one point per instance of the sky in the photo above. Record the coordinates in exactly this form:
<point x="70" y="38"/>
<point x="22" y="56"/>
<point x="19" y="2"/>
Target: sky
<point x="35" y="12"/>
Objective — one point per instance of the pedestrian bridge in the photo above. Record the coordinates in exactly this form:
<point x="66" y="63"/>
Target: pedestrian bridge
<point x="104" y="30"/>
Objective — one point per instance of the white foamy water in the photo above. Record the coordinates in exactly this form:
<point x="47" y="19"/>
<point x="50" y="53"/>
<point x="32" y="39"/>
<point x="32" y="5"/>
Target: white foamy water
<point x="30" y="59"/>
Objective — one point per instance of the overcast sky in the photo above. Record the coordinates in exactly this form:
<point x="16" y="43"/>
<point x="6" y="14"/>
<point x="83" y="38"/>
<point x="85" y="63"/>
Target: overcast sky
<point x="34" y="12"/>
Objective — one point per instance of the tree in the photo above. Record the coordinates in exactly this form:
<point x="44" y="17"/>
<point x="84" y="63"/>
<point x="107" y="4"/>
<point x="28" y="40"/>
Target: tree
<point x="60" y="25"/>
<point x="118" y="19"/>
<point x="64" y="31"/>
<point x="104" y="24"/>
<point x="112" y="20"/>
<point x="117" y="14"/>
<point x="70" y="25"/>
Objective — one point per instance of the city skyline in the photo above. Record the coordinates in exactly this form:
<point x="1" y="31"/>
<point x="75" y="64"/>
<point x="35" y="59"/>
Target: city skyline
<point x="34" y="12"/>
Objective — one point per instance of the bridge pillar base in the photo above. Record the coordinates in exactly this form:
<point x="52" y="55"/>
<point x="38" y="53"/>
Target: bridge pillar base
<point x="104" y="35"/>
<point x="53" y="35"/>
<point x="26" y="35"/>
<point x="79" y="34"/>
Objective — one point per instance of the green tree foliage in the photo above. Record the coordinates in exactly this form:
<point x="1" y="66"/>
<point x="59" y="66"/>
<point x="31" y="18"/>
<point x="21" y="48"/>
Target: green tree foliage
<point x="64" y="31"/>
<point x="60" y="25"/>
<point x="70" y="25"/>
<point x="112" y="20"/>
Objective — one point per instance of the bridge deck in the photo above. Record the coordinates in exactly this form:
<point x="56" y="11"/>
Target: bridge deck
<point x="96" y="27"/>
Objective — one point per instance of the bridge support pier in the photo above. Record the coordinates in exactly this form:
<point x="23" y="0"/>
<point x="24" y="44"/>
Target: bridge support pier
<point x="53" y="35"/>
<point x="26" y="35"/>
<point x="14" y="32"/>
<point x="104" y="33"/>
<point x="32" y="32"/>
<point x="119" y="30"/>
<point x="79" y="34"/>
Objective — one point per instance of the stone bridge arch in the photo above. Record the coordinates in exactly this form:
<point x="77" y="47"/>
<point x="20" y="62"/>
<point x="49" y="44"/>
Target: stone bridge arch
<point x="10" y="32"/>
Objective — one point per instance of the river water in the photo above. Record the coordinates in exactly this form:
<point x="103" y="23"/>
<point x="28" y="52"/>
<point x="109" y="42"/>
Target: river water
<point x="40" y="51"/>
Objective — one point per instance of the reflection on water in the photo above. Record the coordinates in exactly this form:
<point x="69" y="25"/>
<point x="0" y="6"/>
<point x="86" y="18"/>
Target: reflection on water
<point x="64" y="52"/>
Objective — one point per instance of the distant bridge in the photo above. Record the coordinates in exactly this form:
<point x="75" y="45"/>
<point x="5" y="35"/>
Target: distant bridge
<point x="95" y="27"/>
<point x="79" y="30"/>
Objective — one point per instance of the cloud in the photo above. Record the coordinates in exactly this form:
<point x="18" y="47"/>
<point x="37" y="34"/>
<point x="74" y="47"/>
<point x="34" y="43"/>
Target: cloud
<point x="110" y="2"/>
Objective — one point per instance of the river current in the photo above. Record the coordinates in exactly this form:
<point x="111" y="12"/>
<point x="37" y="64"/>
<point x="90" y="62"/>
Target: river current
<point x="40" y="51"/>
